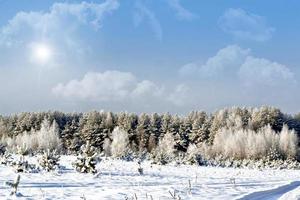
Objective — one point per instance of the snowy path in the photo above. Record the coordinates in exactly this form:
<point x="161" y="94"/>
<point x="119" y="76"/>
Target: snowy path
<point x="120" y="179"/>
<point x="273" y="193"/>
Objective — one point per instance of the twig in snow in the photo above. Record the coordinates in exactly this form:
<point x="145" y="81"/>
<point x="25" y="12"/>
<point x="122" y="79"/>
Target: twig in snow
<point x="174" y="196"/>
<point x="14" y="185"/>
<point x="190" y="187"/>
<point x="83" y="197"/>
<point x="232" y="181"/>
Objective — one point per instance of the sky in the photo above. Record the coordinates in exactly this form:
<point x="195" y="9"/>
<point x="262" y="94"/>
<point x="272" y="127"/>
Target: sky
<point x="148" y="55"/>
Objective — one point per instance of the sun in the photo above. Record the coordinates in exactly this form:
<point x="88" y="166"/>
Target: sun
<point x="41" y="53"/>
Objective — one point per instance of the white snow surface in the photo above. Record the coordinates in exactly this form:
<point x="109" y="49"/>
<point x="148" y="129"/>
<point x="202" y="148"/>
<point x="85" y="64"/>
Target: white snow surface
<point x="120" y="180"/>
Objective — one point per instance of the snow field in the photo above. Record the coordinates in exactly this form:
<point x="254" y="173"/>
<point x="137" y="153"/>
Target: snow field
<point x="120" y="180"/>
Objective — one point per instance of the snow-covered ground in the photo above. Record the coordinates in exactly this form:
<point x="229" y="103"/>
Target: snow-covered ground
<point x="120" y="180"/>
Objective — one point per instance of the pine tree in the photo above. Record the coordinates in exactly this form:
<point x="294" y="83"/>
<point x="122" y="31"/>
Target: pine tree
<point x="174" y="130"/>
<point x="86" y="161"/>
<point x="165" y="125"/>
<point x="143" y="130"/>
<point x="49" y="160"/>
<point x="200" y="128"/>
<point x="92" y="129"/>
<point x="185" y="130"/>
<point x="155" y="131"/>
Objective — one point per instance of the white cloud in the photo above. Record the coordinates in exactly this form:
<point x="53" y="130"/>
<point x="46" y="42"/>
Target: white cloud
<point x="227" y="58"/>
<point x="61" y="19"/>
<point x="234" y="63"/>
<point x="244" y="25"/>
<point x="142" y="13"/>
<point x="181" y="12"/>
<point x="259" y="71"/>
<point x="109" y="86"/>
<point x="147" y="88"/>
<point x="117" y="87"/>
<point x="226" y="61"/>
<point x="106" y="86"/>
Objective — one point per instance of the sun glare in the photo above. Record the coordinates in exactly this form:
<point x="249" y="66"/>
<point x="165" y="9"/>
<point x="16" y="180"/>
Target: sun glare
<point x="41" y="53"/>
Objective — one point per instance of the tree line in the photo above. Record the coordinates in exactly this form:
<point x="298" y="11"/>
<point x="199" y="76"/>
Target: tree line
<point x="146" y="130"/>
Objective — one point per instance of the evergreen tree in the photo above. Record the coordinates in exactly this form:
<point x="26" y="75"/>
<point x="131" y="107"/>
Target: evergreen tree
<point x="86" y="161"/>
<point x="92" y="129"/>
<point x="70" y="136"/>
<point x="143" y="130"/>
<point x="200" y="128"/>
<point x="155" y="131"/>
<point x="49" y="160"/>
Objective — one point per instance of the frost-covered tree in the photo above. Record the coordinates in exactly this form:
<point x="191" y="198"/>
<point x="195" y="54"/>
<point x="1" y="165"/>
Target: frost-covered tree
<point x="288" y="142"/>
<point x="248" y="144"/>
<point x="107" y="147"/>
<point x="237" y="118"/>
<point x="37" y="140"/>
<point x="192" y="154"/>
<point x="129" y="124"/>
<point x="217" y="123"/>
<point x="263" y="116"/>
<point x="120" y="143"/>
<point x="165" y="151"/>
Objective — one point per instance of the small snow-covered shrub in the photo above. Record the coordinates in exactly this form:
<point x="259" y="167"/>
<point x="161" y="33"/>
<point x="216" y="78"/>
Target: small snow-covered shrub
<point x="49" y="160"/>
<point x="86" y="161"/>
<point x="120" y="143"/>
<point x="36" y="140"/>
<point x="22" y="165"/>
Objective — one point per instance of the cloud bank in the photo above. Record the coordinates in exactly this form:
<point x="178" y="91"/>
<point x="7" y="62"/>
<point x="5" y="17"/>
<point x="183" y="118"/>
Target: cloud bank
<point x="117" y="86"/>
<point x="236" y="63"/>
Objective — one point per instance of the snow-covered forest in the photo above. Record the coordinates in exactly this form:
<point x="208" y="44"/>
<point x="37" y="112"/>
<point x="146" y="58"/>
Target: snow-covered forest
<point x="228" y="137"/>
<point x="105" y="155"/>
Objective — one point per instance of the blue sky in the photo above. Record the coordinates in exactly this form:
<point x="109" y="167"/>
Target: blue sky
<point x="148" y="56"/>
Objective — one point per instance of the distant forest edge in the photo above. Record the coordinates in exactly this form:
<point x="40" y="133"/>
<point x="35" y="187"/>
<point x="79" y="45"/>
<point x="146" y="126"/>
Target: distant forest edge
<point x="226" y="135"/>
